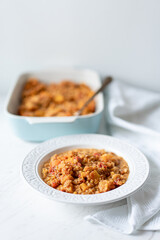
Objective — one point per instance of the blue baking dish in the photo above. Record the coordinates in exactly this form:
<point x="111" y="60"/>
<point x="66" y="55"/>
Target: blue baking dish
<point x="42" y="128"/>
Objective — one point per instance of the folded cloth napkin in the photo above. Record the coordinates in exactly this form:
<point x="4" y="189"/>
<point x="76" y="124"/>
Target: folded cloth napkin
<point x="134" y="116"/>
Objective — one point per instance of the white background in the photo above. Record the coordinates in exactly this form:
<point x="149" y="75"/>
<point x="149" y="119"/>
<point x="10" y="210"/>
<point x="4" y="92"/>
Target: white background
<point x="115" y="37"/>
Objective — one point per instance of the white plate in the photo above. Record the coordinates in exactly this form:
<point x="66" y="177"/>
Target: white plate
<point x="138" y="165"/>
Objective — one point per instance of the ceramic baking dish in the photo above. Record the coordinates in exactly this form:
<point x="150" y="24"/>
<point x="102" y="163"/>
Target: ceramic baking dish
<point x="43" y="128"/>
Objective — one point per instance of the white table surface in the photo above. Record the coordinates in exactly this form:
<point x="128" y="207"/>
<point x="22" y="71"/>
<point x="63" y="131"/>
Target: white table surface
<point x="26" y="215"/>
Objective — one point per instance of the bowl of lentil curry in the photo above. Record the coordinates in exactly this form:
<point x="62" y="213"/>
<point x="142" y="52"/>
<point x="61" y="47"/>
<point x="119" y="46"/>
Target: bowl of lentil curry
<point x="86" y="169"/>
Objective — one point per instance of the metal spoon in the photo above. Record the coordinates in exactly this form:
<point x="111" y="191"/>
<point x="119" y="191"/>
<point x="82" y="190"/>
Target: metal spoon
<point x="105" y="83"/>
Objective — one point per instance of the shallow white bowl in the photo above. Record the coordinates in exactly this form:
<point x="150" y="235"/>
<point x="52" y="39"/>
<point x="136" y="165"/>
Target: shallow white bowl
<point x="138" y="165"/>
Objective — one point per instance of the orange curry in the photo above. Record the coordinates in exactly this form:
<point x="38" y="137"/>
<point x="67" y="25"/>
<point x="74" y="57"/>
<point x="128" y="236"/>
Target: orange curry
<point x="55" y="99"/>
<point x="85" y="171"/>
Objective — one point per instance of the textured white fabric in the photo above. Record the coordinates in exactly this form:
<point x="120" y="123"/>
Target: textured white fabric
<point x="134" y="116"/>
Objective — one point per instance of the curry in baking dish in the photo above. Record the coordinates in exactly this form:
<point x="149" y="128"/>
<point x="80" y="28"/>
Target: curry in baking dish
<point x="85" y="171"/>
<point x="56" y="99"/>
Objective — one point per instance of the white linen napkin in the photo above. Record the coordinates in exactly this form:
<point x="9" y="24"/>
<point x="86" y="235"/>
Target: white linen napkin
<point x="134" y="116"/>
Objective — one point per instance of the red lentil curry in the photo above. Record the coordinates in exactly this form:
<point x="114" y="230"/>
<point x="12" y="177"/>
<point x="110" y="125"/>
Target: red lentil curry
<point x="85" y="171"/>
<point x="61" y="99"/>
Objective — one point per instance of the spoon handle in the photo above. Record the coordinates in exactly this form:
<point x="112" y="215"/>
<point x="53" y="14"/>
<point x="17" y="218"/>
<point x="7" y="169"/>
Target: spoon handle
<point x="105" y="83"/>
